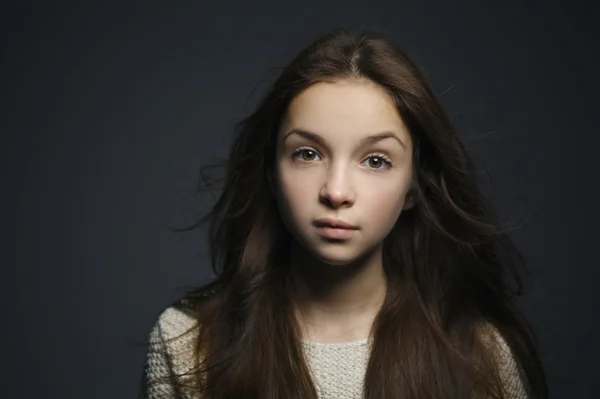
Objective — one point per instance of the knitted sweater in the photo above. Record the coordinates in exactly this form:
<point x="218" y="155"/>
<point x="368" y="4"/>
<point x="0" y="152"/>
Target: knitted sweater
<point x="337" y="369"/>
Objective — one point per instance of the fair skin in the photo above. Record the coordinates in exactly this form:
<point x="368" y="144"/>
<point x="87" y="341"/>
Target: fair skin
<point x="339" y="284"/>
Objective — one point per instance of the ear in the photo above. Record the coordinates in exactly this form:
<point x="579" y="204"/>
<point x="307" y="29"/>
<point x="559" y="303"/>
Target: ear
<point x="409" y="202"/>
<point x="410" y="199"/>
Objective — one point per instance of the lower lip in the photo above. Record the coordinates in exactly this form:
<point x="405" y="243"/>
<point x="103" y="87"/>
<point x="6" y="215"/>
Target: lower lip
<point x="331" y="232"/>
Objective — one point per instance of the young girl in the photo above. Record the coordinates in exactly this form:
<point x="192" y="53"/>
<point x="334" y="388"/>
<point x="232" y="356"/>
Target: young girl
<point x="355" y="255"/>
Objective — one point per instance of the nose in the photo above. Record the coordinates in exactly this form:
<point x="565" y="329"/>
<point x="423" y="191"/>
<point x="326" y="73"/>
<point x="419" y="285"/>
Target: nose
<point x="337" y="190"/>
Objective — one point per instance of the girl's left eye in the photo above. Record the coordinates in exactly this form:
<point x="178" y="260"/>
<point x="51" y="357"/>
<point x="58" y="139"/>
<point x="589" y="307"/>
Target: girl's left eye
<point x="380" y="159"/>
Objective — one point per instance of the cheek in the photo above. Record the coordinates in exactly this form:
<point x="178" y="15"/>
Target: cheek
<point x="383" y="206"/>
<point x="295" y="192"/>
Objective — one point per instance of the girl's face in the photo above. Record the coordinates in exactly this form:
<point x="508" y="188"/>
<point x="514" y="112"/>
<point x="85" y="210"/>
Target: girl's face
<point x="343" y="153"/>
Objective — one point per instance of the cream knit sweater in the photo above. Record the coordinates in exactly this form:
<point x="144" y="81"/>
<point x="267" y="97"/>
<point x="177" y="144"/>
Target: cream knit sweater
<point x="337" y="368"/>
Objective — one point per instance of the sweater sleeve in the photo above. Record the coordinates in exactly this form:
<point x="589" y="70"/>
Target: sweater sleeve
<point x="510" y="373"/>
<point x="168" y="369"/>
<point x="157" y="368"/>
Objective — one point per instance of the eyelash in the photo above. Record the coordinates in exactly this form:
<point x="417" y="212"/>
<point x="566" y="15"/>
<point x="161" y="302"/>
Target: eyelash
<point x="383" y="157"/>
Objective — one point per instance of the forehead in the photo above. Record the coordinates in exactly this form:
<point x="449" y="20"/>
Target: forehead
<point x="344" y="109"/>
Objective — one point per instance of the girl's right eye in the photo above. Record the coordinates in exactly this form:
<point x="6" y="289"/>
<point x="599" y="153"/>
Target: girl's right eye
<point x="307" y="154"/>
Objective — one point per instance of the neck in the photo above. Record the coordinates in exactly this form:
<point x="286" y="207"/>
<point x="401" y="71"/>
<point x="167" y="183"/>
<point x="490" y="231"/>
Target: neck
<point x="338" y="302"/>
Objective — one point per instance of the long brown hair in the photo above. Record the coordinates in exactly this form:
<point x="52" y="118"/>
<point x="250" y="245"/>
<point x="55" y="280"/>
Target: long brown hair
<point x="450" y="266"/>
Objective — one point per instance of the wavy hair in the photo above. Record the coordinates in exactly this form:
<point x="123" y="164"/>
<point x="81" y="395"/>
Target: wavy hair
<point x="450" y="266"/>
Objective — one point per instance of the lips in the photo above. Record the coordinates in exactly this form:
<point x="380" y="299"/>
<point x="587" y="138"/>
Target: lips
<point x="335" y="223"/>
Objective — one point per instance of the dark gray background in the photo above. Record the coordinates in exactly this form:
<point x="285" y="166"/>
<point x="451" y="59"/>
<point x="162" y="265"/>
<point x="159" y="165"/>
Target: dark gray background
<point x="109" y="110"/>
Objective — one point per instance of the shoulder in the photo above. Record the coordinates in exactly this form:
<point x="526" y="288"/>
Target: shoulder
<point x="172" y="341"/>
<point x="171" y="344"/>
<point x="510" y="373"/>
<point x="493" y="339"/>
<point x="172" y="325"/>
<point x="178" y="325"/>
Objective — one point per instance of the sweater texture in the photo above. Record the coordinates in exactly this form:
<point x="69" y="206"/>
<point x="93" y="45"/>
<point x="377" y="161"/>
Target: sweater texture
<point x="337" y="369"/>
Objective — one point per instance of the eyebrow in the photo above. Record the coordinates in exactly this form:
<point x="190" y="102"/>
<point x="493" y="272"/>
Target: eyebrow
<point x="364" y="141"/>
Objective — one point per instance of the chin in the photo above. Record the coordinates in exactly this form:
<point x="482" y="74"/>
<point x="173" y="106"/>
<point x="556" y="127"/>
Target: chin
<point x="336" y="257"/>
<point x="335" y="261"/>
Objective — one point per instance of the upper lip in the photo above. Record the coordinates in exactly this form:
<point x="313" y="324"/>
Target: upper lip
<point x="336" y="223"/>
